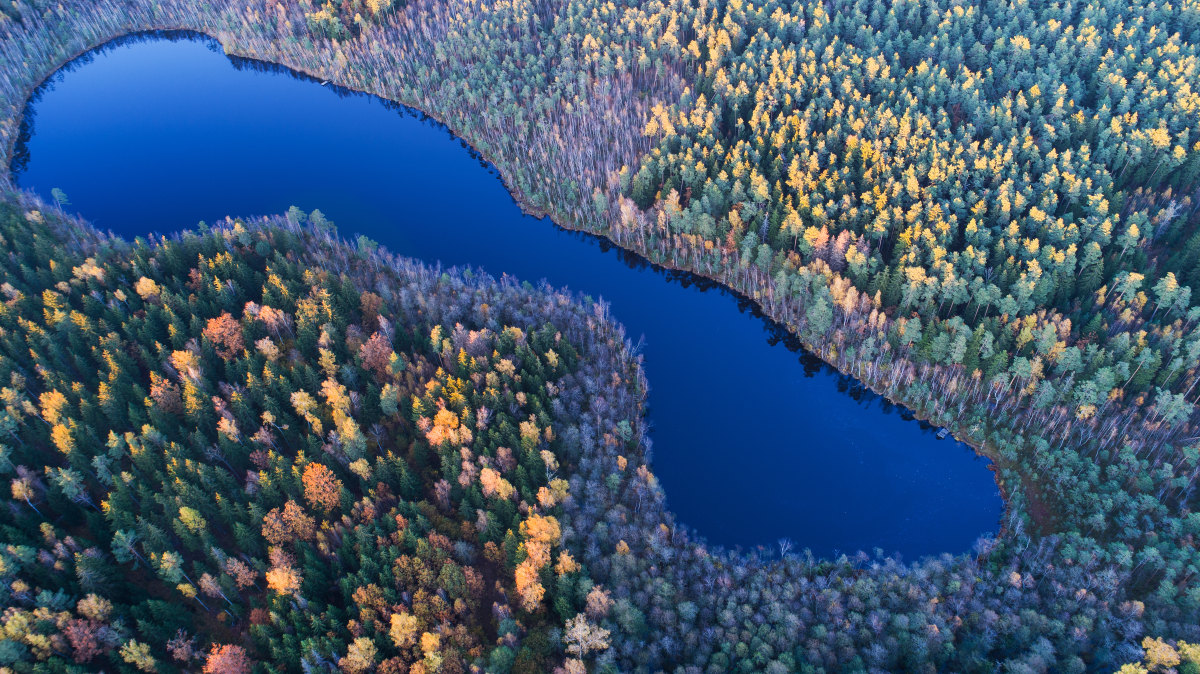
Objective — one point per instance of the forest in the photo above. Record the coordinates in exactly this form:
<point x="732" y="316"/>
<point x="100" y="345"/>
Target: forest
<point x="248" y="440"/>
<point x="294" y="453"/>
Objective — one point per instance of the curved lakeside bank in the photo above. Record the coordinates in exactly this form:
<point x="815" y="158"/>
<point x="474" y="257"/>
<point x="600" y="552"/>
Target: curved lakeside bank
<point x="863" y="402"/>
<point x="782" y="314"/>
<point x="566" y="219"/>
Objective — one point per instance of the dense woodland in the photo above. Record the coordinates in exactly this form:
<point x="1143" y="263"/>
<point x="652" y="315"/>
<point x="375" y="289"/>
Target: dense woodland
<point x="988" y="212"/>
<point x="251" y="444"/>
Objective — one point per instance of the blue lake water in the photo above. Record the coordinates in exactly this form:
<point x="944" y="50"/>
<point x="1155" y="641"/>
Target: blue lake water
<point x="753" y="441"/>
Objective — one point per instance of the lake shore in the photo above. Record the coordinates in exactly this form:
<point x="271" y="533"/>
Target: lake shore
<point x="862" y="444"/>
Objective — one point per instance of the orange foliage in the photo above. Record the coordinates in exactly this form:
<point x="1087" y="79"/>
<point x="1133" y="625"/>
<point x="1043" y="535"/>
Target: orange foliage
<point x="446" y="429"/>
<point x="598" y="602"/>
<point x="225" y="332"/>
<point x="283" y="579"/>
<point x="242" y="573"/>
<point x="165" y="394"/>
<point x="227" y="659"/>
<point x="494" y="485"/>
<point x="370" y="598"/>
<point x="540" y="533"/>
<point x="275" y="320"/>
<point x="287" y="525"/>
<point x="528" y="587"/>
<point x="322" y="489"/>
<point x="370" y="304"/>
<point x="302" y="526"/>
<point x="566" y="564"/>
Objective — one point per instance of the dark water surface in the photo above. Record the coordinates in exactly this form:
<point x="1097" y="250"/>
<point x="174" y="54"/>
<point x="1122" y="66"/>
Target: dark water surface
<point x="753" y="441"/>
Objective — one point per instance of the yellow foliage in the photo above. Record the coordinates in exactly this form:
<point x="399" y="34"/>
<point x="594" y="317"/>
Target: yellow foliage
<point x="61" y="435"/>
<point x="430" y="642"/>
<point x="52" y="403"/>
<point x="528" y="586"/>
<point x="566" y="564"/>
<point x="284" y="580"/>
<point x="147" y="288"/>
<point x="403" y="631"/>
<point x="495" y="485"/>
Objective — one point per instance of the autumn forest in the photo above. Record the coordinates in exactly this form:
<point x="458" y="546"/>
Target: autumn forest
<point x="268" y="445"/>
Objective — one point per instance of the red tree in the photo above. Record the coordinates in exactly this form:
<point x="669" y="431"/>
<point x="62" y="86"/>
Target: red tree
<point x="82" y="635"/>
<point x="225" y="332"/>
<point x="227" y="659"/>
<point x="377" y="355"/>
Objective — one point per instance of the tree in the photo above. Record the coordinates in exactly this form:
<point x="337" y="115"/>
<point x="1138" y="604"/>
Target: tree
<point x="225" y="332"/>
<point x="528" y="585"/>
<point x="598" y="602"/>
<point x="370" y="304"/>
<point x="170" y="567"/>
<point x="243" y="575"/>
<point x="378" y="6"/>
<point x="82" y="634"/>
<point x="182" y="647"/>
<point x="284" y="580"/>
<point x="302" y="526"/>
<point x="23" y="490"/>
<point x="1160" y="656"/>
<point x="138" y="654"/>
<point x="495" y="485"/>
<point x="583" y="637"/>
<point x="322" y="488"/>
<point x="227" y="659"/>
<point x="148" y="289"/>
<point x="165" y="394"/>
<point x="287" y="525"/>
<point x="192" y="520"/>
<point x="124" y="547"/>
<point x="820" y="316"/>
<point x="403" y="630"/>
<point x="60" y="198"/>
<point x="360" y="656"/>
<point x="377" y="353"/>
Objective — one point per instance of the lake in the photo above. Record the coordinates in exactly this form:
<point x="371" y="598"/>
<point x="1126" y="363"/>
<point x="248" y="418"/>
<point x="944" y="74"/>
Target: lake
<point x="753" y="440"/>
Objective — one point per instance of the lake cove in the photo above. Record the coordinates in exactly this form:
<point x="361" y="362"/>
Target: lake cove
<point x="754" y="439"/>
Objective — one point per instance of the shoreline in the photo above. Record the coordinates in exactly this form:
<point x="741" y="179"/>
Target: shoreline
<point x="778" y="326"/>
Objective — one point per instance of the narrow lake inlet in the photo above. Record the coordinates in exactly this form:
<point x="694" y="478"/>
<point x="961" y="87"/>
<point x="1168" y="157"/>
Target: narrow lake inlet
<point x="753" y="441"/>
